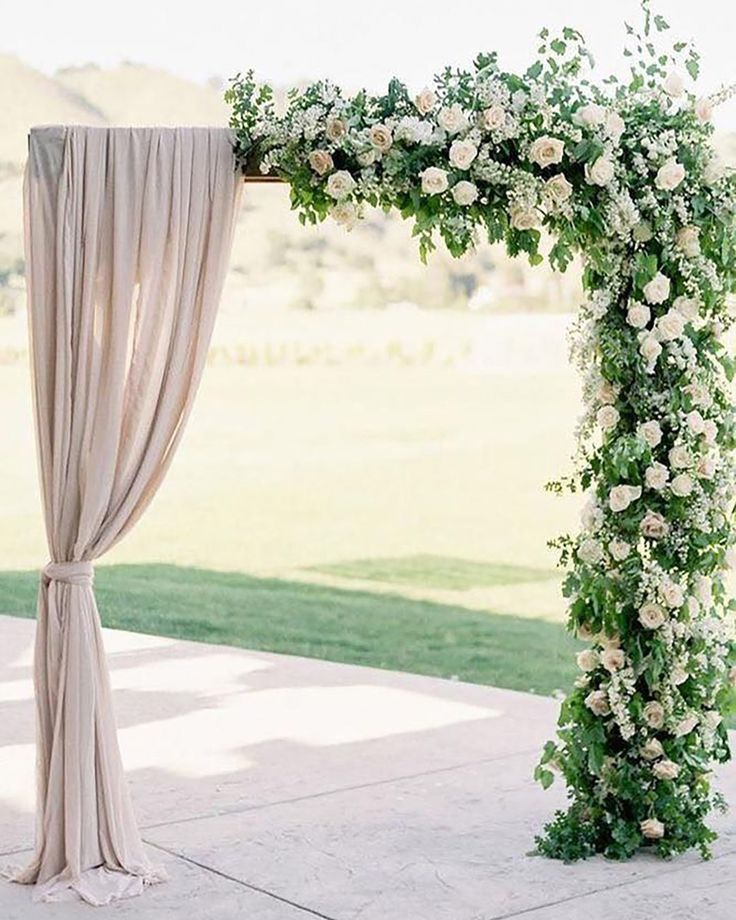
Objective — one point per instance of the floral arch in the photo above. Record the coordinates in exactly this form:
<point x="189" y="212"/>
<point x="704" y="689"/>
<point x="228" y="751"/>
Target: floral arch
<point x="625" y="175"/>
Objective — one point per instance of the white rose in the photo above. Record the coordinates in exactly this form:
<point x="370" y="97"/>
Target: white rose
<point x="619" y="549"/>
<point x="620" y="497"/>
<point x="493" y="117"/>
<point x="714" y="170"/>
<point x="658" y="289"/>
<point x="654" y="526"/>
<point x="665" y="769"/>
<point x="464" y="192"/>
<point x="345" y="214"/>
<point x="452" y="118"/>
<point x="650" y="350"/>
<point x="523" y="218"/>
<point x="607" y="392"/>
<point x="590" y="114"/>
<point x="682" y="485"/>
<point x="673" y="85"/>
<point x="652" y="749"/>
<point x="652" y="829"/>
<point x="587" y="660"/>
<point x="367" y="157"/>
<point x="672" y="594"/>
<point x="685" y="726"/>
<point x="669" y="176"/>
<point x="688" y="241"/>
<point x="638" y="315"/>
<point x="340" y="184"/>
<point x="712" y="719"/>
<point x="707" y="467"/>
<point x="680" y="457"/>
<point x="590" y="551"/>
<point x="700" y="396"/>
<point x="380" y="137"/>
<point x="600" y="172"/>
<point x="597" y="702"/>
<point x="703" y="110"/>
<point x="613" y="659"/>
<point x="615" y="126"/>
<point x="695" y="422"/>
<point x="710" y="432"/>
<point x="651" y="432"/>
<point x="643" y="231"/>
<point x="656" y="476"/>
<point x="652" y="616"/>
<point x="321" y="161"/>
<point x="434" y="180"/>
<point x="591" y="516"/>
<point x="462" y="154"/>
<point x="425" y="101"/>
<point x="558" y="188"/>
<point x="686" y="307"/>
<point x="670" y="326"/>
<point x="704" y="589"/>
<point x="545" y="151"/>
<point x="585" y="633"/>
<point x="678" y="675"/>
<point x="654" y="714"/>
<point x="335" y="128"/>
<point x="607" y="417"/>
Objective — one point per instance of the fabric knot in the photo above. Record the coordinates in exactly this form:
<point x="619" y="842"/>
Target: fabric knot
<point x="70" y="573"/>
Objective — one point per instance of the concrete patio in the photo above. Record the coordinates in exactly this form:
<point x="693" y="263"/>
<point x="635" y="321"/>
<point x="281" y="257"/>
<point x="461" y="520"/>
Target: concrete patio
<point x="280" y="788"/>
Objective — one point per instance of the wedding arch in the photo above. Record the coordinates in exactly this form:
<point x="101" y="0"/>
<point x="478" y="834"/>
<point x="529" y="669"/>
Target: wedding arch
<point x="127" y="236"/>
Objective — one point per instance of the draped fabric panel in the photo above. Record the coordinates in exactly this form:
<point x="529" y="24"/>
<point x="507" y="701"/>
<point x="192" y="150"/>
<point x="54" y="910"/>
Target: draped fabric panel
<point x="128" y="232"/>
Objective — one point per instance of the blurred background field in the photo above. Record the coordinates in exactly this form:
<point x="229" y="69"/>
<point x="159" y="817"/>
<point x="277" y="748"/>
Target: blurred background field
<point x="363" y="475"/>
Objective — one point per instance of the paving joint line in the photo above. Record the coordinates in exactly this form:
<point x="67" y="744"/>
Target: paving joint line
<point x="239" y="881"/>
<point x="238" y="810"/>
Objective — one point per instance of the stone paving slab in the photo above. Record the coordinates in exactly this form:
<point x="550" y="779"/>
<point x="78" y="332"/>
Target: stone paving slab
<point x="280" y="787"/>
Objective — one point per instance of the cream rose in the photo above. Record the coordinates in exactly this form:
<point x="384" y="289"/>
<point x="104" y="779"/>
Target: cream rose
<point x="619" y="549"/>
<point x="652" y="749"/>
<point x="680" y="457"/>
<point x="642" y="231"/>
<point x="380" y="137"/>
<point x="335" y="128"/>
<point x="707" y="467"/>
<point x="600" y="172"/>
<point x="462" y="154"/>
<point x="688" y="241"/>
<point x="682" y="485"/>
<point x="695" y="422"/>
<point x="672" y="594"/>
<point x="587" y="660"/>
<point x="652" y="616"/>
<point x="613" y="659"/>
<point x="710" y="433"/>
<point x="638" y="315"/>
<point x="650" y="349"/>
<point x="607" y="392"/>
<point x="652" y="829"/>
<point x="654" y="526"/>
<point x="464" y="192"/>
<point x="523" y="218"/>
<point x="686" y="725"/>
<point x="345" y="214"/>
<point x="669" y="176"/>
<point x="673" y="85"/>
<point x="425" y="101"/>
<point x="434" y="180"/>
<point x="714" y="170"/>
<point x="670" y="326"/>
<point x="558" y="189"/>
<point x="546" y="151"/>
<point x="607" y="417"/>
<point x="597" y="702"/>
<point x="620" y="497"/>
<point x="656" y="476"/>
<point x="321" y="162"/>
<point x="590" y="114"/>
<point x="654" y="714"/>
<point x="493" y="118"/>
<point x="651" y="432"/>
<point x="703" y="110"/>
<point x="585" y="633"/>
<point x="615" y="126"/>
<point x="590" y="551"/>
<point x="666" y="769"/>
<point x="452" y="118"/>
<point x="658" y="289"/>
<point x="686" y="307"/>
<point x="712" y="719"/>
<point x="340" y="184"/>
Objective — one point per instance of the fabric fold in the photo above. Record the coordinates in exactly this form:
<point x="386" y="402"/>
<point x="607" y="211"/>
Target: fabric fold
<point x="128" y="232"/>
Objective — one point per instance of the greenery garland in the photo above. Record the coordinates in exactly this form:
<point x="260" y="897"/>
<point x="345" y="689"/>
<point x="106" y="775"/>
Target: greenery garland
<point x="625" y="175"/>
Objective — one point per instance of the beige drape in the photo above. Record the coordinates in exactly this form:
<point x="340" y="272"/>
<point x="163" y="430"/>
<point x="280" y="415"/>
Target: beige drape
<point x="128" y="232"/>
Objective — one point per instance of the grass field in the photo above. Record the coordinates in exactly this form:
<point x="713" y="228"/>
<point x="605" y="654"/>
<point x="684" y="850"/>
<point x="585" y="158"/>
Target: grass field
<point x="392" y="516"/>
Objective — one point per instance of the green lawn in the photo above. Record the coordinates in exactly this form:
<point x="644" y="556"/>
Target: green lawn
<point x="317" y="621"/>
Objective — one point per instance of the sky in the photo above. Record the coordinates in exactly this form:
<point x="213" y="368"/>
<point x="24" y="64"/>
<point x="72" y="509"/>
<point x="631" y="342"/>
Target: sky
<point x="356" y="44"/>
